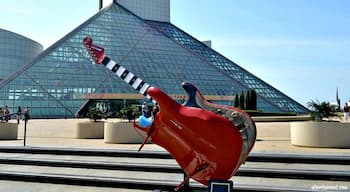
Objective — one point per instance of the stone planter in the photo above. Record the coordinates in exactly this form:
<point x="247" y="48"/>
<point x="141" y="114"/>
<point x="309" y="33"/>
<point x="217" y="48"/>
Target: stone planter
<point x="122" y="132"/>
<point x="8" y="131"/>
<point x="320" y="134"/>
<point x="89" y="130"/>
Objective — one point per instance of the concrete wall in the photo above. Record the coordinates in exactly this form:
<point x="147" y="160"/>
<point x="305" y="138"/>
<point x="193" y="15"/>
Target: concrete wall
<point x="122" y="132"/>
<point x="8" y="131"/>
<point x="50" y="128"/>
<point x="276" y="130"/>
<point x="321" y="134"/>
<point x="89" y="130"/>
<point x="65" y="128"/>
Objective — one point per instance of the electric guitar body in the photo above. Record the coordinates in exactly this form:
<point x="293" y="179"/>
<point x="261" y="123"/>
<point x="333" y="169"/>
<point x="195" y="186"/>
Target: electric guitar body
<point x="204" y="144"/>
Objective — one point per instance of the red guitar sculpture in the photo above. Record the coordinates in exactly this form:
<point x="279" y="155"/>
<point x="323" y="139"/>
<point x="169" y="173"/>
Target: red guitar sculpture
<point x="207" y="140"/>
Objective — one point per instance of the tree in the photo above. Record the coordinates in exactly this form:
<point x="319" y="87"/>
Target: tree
<point x="321" y="110"/>
<point x="236" y="100"/>
<point x="248" y="101"/>
<point x="254" y="99"/>
<point x="241" y="100"/>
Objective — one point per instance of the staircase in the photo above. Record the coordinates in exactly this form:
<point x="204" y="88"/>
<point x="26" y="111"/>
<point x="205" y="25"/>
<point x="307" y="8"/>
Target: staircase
<point x="157" y="171"/>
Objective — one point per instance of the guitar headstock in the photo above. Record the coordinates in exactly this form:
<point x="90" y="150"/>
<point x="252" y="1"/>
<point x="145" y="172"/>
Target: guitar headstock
<point x="96" y="52"/>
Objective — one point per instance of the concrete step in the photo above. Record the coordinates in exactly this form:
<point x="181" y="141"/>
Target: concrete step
<point x="252" y="169"/>
<point x="21" y="186"/>
<point x="148" y="180"/>
<point x="148" y="173"/>
<point x="162" y="154"/>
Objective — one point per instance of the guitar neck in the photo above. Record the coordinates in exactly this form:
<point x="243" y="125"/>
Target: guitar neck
<point x="97" y="53"/>
<point x="135" y="82"/>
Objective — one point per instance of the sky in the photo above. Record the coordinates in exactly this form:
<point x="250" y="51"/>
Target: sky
<point x="300" y="47"/>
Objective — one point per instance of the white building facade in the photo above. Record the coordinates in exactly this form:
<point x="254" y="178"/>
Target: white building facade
<point x="156" y="10"/>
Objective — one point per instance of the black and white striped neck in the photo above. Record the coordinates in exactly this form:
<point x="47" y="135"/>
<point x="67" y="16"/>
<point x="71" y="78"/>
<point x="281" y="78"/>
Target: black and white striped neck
<point x="131" y="79"/>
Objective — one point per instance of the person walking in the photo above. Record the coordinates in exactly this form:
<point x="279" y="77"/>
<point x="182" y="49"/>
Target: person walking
<point x="2" y="115"/>
<point x="26" y="114"/>
<point x="19" y="114"/>
<point x="346" y="111"/>
<point x="6" y="113"/>
<point x="145" y="110"/>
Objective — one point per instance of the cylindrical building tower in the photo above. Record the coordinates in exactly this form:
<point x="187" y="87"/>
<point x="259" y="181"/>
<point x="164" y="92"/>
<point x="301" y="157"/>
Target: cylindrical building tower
<point x="15" y="51"/>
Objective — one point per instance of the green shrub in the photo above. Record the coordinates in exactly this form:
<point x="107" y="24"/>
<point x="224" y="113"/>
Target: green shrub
<point x="321" y="110"/>
<point x="95" y="114"/>
<point x="129" y="112"/>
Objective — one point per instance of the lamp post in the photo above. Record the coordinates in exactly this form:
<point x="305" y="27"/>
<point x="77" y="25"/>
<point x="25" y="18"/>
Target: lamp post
<point x="26" y="118"/>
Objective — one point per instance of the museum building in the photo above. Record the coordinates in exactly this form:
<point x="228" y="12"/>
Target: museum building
<point x="62" y="81"/>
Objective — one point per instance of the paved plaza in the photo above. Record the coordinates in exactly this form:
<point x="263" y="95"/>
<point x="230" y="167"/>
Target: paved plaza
<point x="272" y="137"/>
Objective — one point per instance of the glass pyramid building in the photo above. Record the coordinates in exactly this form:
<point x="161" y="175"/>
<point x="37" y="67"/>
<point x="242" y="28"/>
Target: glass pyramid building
<point x="62" y="79"/>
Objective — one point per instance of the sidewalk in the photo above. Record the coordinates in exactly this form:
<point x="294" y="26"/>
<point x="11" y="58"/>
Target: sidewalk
<point x="60" y="133"/>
